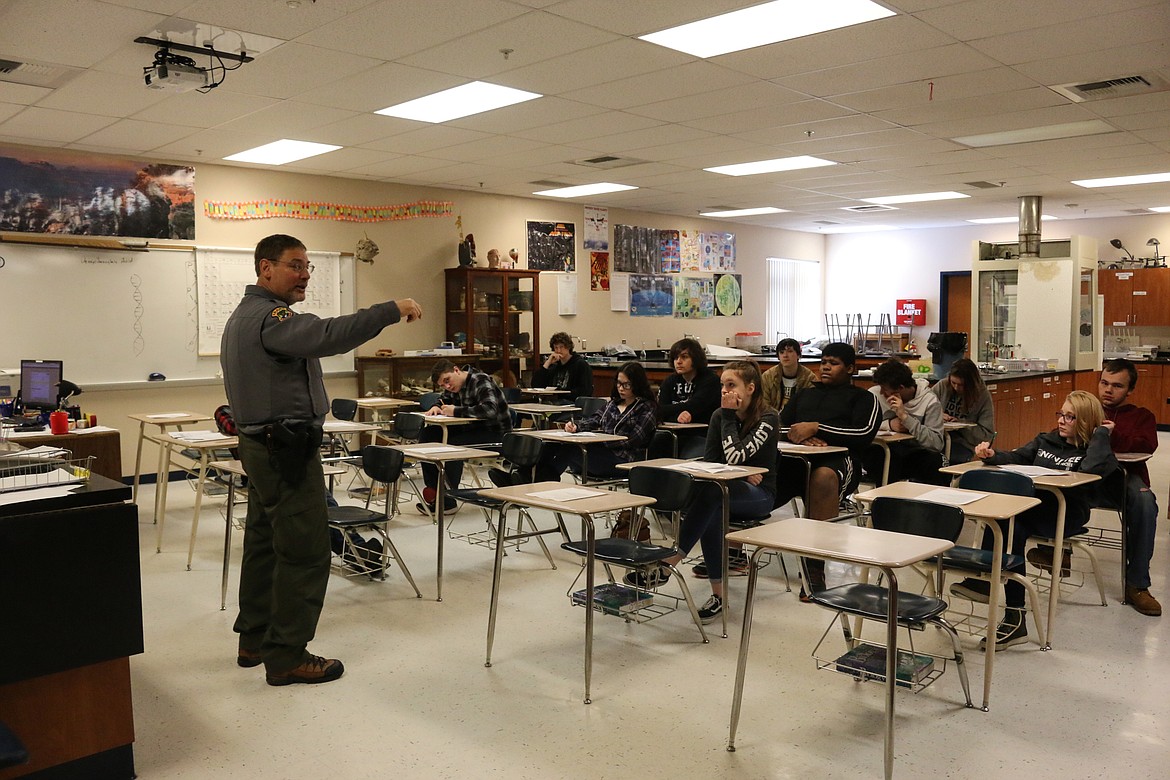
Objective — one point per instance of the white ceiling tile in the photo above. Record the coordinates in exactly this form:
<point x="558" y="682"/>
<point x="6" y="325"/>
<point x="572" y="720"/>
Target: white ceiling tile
<point x="22" y="94"/>
<point x="106" y="94"/>
<point x="905" y="66"/>
<point x="50" y="125"/>
<point x="199" y="110"/>
<point x="34" y="30"/>
<point x="271" y="74"/>
<point x="130" y="135"/>
<point x="288" y="119"/>
<point x="602" y="64"/>
<point x="712" y="103"/>
<point x="637" y="92"/>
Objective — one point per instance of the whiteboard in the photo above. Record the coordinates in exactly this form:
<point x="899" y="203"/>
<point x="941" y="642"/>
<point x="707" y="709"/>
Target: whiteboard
<point x="115" y="316"/>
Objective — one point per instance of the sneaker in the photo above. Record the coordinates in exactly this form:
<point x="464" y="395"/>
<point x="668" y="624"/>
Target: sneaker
<point x="972" y="590"/>
<point x="710" y="612"/>
<point x="1041" y="557"/>
<point x="1141" y="600"/>
<point x="500" y="478"/>
<point x="247" y="658"/>
<point x="450" y="507"/>
<point x="312" y="670"/>
<point x="1012" y="630"/>
<point x="648" y="580"/>
<point x="737" y="565"/>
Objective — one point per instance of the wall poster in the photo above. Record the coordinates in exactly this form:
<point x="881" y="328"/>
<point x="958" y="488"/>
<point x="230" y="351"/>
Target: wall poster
<point x="728" y="295"/>
<point x="694" y="297"/>
<point x="597" y="228"/>
<point x="635" y="249"/>
<point x="552" y="246"/>
<point x="599" y="270"/>
<point x="651" y="295"/>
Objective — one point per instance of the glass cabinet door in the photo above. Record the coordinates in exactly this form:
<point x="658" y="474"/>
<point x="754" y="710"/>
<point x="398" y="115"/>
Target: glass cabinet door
<point x="997" y="312"/>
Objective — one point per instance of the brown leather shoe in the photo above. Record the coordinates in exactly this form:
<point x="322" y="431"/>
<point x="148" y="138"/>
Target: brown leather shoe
<point x="248" y="658"/>
<point x="312" y="670"/>
<point x="1141" y="600"/>
<point x="1040" y="556"/>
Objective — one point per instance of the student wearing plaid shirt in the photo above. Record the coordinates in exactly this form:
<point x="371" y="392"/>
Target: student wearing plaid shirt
<point x="467" y="392"/>
<point x="630" y="413"/>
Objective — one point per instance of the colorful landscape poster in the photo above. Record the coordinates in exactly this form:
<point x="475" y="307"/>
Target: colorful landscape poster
<point x="599" y="270"/>
<point x="75" y="193"/>
<point x="728" y="295"/>
<point x="668" y="251"/>
<point x="651" y="295"/>
<point x="552" y="246"/>
<point x="694" y="297"/>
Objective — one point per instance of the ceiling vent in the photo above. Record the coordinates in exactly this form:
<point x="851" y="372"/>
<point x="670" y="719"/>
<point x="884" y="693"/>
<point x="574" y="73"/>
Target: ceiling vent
<point x="1113" y="88"/>
<point x="868" y="207"/>
<point x="608" y="162"/>
<point x="549" y="183"/>
<point x="825" y="222"/>
<point x="984" y="185"/>
<point x="36" y="74"/>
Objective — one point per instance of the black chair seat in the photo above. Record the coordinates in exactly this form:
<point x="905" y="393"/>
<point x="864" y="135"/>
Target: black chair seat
<point x="353" y="516"/>
<point x="742" y="521"/>
<point x="976" y="560"/>
<point x="472" y="496"/>
<point x="872" y="601"/>
<point x="626" y="552"/>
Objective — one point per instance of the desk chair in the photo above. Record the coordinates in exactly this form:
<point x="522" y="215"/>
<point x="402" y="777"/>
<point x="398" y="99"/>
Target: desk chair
<point x="522" y="453"/>
<point x="590" y="404"/>
<point x="427" y="400"/>
<point x="407" y="430"/>
<point x="915" y="611"/>
<point x="1112" y="496"/>
<point x="976" y="562"/>
<point x="671" y="491"/>
<point x="337" y="449"/>
<point x="382" y="465"/>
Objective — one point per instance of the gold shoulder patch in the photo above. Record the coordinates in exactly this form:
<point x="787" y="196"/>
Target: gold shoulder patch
<point x="281" y="313"/>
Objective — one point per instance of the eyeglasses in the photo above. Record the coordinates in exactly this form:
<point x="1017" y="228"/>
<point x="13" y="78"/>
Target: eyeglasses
<point x="1066" y="417"/>
<point x="296" y="268"/>
<point x="623" y="385"/>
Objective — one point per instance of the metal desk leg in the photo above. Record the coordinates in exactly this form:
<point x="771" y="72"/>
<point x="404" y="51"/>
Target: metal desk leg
<point x="204" y="467"/>
<point x="160" y="493"/>
<point x="138" y="462"/>
<point x="440" y="500"/>
<point x="590" y="549"/>
<point x="726" y="572"/>
<point x="891" y="665"/>
<point x="227" y="541"/>
<point x="493" y="608"/>
<point x="744" y="637"/>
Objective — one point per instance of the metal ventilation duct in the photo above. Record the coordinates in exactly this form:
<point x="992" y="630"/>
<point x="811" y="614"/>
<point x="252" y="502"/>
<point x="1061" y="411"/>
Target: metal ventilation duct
<point x="1030" y="206"/>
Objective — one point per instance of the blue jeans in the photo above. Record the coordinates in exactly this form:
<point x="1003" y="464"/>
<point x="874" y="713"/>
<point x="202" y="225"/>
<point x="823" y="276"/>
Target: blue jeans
<point x="559" y="458"/>
<point x="703" y="520"/>
<point x="1141" y="517"/>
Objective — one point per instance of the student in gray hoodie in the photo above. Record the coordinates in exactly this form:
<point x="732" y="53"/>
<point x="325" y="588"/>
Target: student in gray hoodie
<point x="907" y="406"/>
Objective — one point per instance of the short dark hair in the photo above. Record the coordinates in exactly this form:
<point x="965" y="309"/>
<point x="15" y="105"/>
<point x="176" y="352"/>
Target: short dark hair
<point x="893" y="373"/>
<point x="786" y="343"/>
<point x="692" y="348"/>
<point x="439" y="368"/>
<point x="560" y="337"/>
<point x="840" y="350"/>
<point x="272" y="247"/>
<point x="1117" y="365"/>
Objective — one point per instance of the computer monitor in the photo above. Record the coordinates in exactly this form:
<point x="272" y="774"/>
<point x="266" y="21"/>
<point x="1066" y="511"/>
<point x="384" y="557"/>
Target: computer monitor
<point x="38" y="384"/>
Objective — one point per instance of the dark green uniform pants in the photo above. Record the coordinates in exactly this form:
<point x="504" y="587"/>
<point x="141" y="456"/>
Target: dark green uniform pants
<point x="286" y="559"/>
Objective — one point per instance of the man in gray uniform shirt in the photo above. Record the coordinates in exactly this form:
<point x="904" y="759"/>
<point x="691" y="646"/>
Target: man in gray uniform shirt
<point x="270" y="357"/>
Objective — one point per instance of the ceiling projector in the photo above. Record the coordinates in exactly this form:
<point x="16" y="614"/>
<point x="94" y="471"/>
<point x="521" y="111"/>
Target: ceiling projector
<point x="176" y="77"/>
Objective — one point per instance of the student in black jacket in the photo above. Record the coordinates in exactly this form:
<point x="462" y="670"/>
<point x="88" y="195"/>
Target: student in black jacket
<point x="564" y="369"/>
<point x="689" y="395"/>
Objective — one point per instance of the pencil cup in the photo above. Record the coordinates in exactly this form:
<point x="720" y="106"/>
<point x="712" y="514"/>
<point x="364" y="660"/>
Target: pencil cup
<point x="59" y="423"/>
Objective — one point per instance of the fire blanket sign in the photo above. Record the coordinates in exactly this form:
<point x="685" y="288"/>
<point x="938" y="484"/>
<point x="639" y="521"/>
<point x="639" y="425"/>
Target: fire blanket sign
<point x="911" y="311"/>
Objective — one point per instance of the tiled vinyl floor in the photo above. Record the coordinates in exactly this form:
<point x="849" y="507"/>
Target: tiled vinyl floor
<point x="417" y="702"/>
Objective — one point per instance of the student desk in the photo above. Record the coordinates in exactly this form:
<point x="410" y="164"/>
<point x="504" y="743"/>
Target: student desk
<point x="884" y="439"/>
<point x="582" y="439"/>
<point x="988" y="508"/>
<point x="205" y="448"/>
<point x="439" y="455"/>
<point x="104" y="444"/>
<point x="162" y="420"/>
<point x="807" y="453"/>
<point x="530" y="495"/>
<point x="378" y="406"/>
<point x="673" y="429"/>
<point x="544" y="392"/>
<point x="542" y="412"/>
<point x="720" y="477"/>
<point x="848" y="544"/>
<point x="1054" y="484"/>
<point x="445" y="421"/>
<point x="948" y="429"/>
<point x="231" y="469"/>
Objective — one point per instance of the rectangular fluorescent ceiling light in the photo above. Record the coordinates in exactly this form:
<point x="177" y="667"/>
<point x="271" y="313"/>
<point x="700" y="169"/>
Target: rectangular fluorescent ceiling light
<point x="920" y="197"/>
<point x="1004" y="220"/>
<point x="743" y="212"/>
<point x="1161" y="209"/>
<point x="1046" y="133"/>
<point x="1120" y="181"/>
<point x="770" y="166"/>
<point x="761" y="25"/>
<point x="582" y="190"/>
<point x="281" y="152"/>
<point x="473" y="98"/>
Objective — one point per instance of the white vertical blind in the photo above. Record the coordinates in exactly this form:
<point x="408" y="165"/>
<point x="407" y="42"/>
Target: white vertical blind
<point x="794" y="299"/>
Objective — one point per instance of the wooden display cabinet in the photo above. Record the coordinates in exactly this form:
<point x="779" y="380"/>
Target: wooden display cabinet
<point x="1135" y="296"/>
<point x="401" y="377"/>
<point x="494" y="314"/>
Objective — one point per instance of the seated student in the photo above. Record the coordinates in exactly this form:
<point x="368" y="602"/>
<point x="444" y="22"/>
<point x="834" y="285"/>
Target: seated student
<point x="564" y="369"/>
<point x="907" y="406"/>
<point x="689" y="395"/>
<point x="964" y="398"/>
<point x="467" y="392"/>
<point x="832" y="412"/>
<point x="629" y="413"/>
<point x="783" y="381"/>
<point x="1079" y="443"/>
<point x="743" y="431"/>
<point x="1134" y="429"/>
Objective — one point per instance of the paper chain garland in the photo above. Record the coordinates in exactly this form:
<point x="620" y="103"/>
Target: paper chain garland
<point x="301" y="209"/>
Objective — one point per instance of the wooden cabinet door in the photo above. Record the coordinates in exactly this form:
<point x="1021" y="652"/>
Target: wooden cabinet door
<point x="1148" y="392"/>
<point x="1117" y="289"/>
<point x="1151" y="288"/>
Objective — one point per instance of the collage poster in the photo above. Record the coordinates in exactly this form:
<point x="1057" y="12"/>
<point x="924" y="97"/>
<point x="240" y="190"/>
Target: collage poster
<point x="717" y="252"/>
<point x="668" y="251"/>
<point x="688" y="250"/>
<point x="694" y="297"/>
<point x="552" y="246"/>
<point x="728" y="295"/>
<point x="597" y="228"/>
<point x="635" y="249"/>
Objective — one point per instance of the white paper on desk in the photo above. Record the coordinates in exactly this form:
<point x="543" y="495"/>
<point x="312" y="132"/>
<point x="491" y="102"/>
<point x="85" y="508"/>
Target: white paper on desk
<point x="567" y="494"/>
<point x="1035" y="471"/>
<point x="194" y="436"/>
<point x="44" y="451"/>
<point x="94" y="429"/>
<point x="576" y="435"/>
<point x="437" y="416"/>
<point x="704" y="467"/>
<point x="433" y="450"/>
<point x="39" y="494"/>
<point x="951" y="497"/>
<point x="167" y="415"/>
